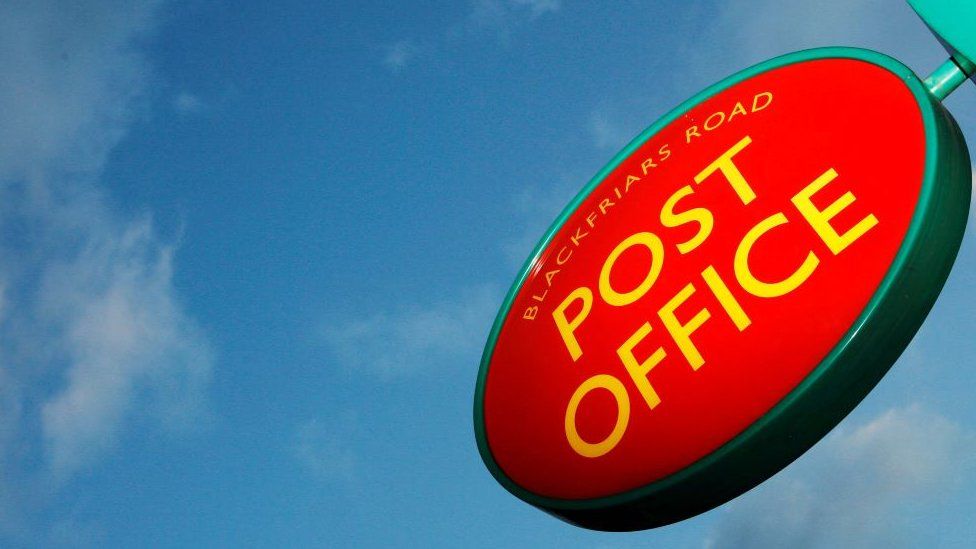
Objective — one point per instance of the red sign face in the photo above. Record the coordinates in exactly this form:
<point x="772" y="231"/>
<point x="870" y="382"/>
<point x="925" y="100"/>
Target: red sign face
<point x="702" y="279"/>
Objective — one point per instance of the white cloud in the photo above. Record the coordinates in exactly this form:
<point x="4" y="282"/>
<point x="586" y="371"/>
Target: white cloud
<point x="535" y="208"/>
<point x="126" y="340"/>
<point x="68" y="81"/>
<point x="848" y="491"/>
<point x="504" y="14"/>
<point x="500" y="18"/>
<point x="400" y="54"/>
<point x="748" y="31"/>
<point x="188" y="103"/>
<point x="607" y="134"/>
<point x="414" y="338"/>
<point x="539" y="7"/>
<point x="325" y="448"/>
<point x="93" y="334"/>
<point x="77" y="532"/>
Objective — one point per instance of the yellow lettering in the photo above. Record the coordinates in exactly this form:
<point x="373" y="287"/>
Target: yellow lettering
<point x="820" y="219"/>
<point x="737" y="110"/>
<point x="639" y="370"/>
<point x="619" y="392"/>
<point x="767" y="96"/>
<point x="567" y="327"/>
<point x="725" y="298"/>
<point x="665" y="152"/>
<point x="681" y="333"/>
<point x="721" y="119"/>
<point x="576" y="239"/>
<point x="763" y="289"/>
<point x="560" y="259"/>
<point x="695" y="215"/>
<point x="731" y="171"/>
<point x="647" y="164"/>
<point x="656" y="247"/>
<point x="631" y="179"/>
<point x="591" y="219"/>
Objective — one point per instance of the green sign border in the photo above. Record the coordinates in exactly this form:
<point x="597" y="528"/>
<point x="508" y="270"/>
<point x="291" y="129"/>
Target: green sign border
<point x="836" y="385"/>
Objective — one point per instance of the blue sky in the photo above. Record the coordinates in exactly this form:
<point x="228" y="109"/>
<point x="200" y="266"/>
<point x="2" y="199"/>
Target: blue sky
<point x="250" y="252"/>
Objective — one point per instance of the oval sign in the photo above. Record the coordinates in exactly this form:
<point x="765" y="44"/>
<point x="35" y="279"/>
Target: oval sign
<point x="724" y="292"/>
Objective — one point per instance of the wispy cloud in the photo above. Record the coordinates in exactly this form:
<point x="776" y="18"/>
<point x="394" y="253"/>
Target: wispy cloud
<point x="535" y="207"/>
<point x="503" y="17"/>
<point x="70" y="82"/>
<point x="415" y="337"/>
<point x="126" y="341"/>
<point x="400" y="54"/>
<point x="495" y="12"/>
<point x="750" y="30"/>
<point x="499" y="17"/>
<point x="325" y="447"/>
<point x="848" y="491"/>
<point x="93" y="334"/>
<point x="608" y="134"/>
<point x="188" y="103"/>
<point x="539" y="7"/>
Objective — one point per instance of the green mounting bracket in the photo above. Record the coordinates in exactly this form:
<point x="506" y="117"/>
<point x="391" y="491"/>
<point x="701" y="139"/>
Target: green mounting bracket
<point x="953" y="22"/>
